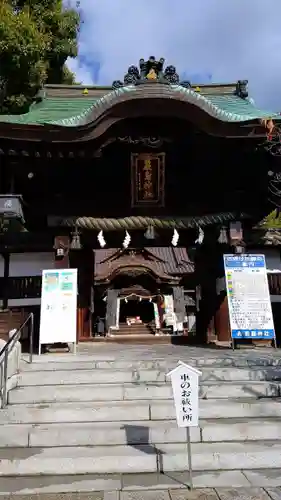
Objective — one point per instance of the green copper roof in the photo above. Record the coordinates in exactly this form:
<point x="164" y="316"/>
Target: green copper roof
<point x="225" y="107"/>
<point x="83" y="109"/>
<point x="52" y="110"/>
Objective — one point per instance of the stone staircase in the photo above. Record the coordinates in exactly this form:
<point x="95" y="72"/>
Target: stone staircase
<point x="141" y="329"/>
<point x="104" y="420"/>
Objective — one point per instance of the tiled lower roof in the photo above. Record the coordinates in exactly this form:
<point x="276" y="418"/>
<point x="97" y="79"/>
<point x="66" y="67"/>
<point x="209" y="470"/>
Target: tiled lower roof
<point x="168" y="261"/>
<point x="75" y="111"/>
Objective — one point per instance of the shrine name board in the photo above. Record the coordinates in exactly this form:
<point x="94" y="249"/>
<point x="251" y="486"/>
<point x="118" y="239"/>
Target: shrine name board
<point x="148" y="179"/>
<point x="248" y="296"/>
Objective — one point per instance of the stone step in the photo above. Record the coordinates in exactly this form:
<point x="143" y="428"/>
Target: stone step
<point x="96" y="376"/>
<point x="139" y="432"/>
<point x="136" y="459"/>
<point x="50" y="362"/>
<point x="131" y="410"/>
<point x="119" y="392"/>
<point x="92" y="377"/>
<point x="137" y="483"/>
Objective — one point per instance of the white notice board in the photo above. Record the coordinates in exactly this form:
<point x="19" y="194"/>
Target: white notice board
<point x="249" y="305"/>
<point x="58" y="318"/>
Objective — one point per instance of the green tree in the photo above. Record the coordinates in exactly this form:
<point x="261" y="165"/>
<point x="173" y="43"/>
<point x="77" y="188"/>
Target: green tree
<point x="36" y="38"/>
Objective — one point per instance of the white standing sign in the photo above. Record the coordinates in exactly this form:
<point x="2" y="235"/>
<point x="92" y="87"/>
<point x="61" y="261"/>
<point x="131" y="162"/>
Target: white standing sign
<point x="185" y="384"/>
<point x="58" y="318"/>
<point x="248" y="296"/>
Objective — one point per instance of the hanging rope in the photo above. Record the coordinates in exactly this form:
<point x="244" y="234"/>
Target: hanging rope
<point x="138" y="222"/>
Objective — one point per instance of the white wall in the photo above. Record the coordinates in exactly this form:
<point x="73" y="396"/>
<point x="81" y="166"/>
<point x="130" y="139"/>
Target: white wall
<point x="30" y="264"/>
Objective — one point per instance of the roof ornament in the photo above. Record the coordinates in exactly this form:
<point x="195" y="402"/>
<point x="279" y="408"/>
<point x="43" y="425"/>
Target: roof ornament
<point x="242" y="89"/>
<point x="151" y="71"/>
<point x="152" y="75"/>
<point x="272" y="142"/>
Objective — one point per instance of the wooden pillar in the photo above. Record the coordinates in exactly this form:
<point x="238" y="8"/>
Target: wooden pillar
<point x="222" y="324"/>
<point x="6" y="257"/>
<point x="61" y="253"/>
<point x="205" y="330"/>
<point x="82" y="260"/>
<point x="179" y="304"/>
<point x="206" y="263"/>
<point x="111" y="308"/>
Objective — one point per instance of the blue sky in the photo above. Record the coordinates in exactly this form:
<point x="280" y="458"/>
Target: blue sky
<point x="207" y="40"/>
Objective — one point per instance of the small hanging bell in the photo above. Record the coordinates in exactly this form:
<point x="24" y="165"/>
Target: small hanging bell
<point x="223" y="238"/>
<point x="150" y="233"/>
<point x="75" y="242"/>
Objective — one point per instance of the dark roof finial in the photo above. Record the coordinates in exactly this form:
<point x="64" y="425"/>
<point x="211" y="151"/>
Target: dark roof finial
<point x="242" y="89"/>
<point x="151" y="71"/>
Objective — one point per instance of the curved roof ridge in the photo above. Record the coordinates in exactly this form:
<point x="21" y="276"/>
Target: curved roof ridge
<point x="206" y="104"/>
<point x="213" y="105"/>
<point x="105" y="99"/>
<point x="82" y="111"/>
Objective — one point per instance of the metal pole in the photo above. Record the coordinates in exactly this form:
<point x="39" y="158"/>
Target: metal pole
<point x="5" y="377"/>
<point x="1" y="385"/>
<point x="189" y="456"/>
<point x="31" y="337"/>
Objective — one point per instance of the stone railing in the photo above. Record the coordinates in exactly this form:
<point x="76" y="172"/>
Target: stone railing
<point x="13" y="367"/>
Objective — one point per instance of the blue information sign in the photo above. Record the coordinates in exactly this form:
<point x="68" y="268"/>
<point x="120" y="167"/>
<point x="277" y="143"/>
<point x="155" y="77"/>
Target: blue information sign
<point x="248" y="296"/>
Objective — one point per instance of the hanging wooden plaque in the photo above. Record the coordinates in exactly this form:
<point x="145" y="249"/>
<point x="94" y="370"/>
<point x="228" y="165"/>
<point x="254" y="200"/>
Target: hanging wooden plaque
<point x="148" y="179"/>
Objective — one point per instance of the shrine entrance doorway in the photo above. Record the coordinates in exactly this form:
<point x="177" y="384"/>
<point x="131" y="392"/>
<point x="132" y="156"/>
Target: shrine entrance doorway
<point x="140" y="290"/>
<point x="134" y="308"/>
<point x="137" y="302"/>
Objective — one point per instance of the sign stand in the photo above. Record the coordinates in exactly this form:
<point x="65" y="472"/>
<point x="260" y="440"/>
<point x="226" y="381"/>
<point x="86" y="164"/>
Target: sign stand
<point x="249" y="305"/>
<point x="185" y="384"/>
<point x="189" y="456"/>
<point x="58" y="315"/>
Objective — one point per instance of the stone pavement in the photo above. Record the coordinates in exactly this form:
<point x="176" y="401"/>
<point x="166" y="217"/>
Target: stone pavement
<point x="165" y="350"/>
<point x="196" y="494"/>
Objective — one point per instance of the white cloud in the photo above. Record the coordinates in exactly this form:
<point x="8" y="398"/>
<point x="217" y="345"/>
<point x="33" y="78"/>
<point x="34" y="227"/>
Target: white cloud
<point x="83" y="74"/>
<point x="231" y="39"/>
